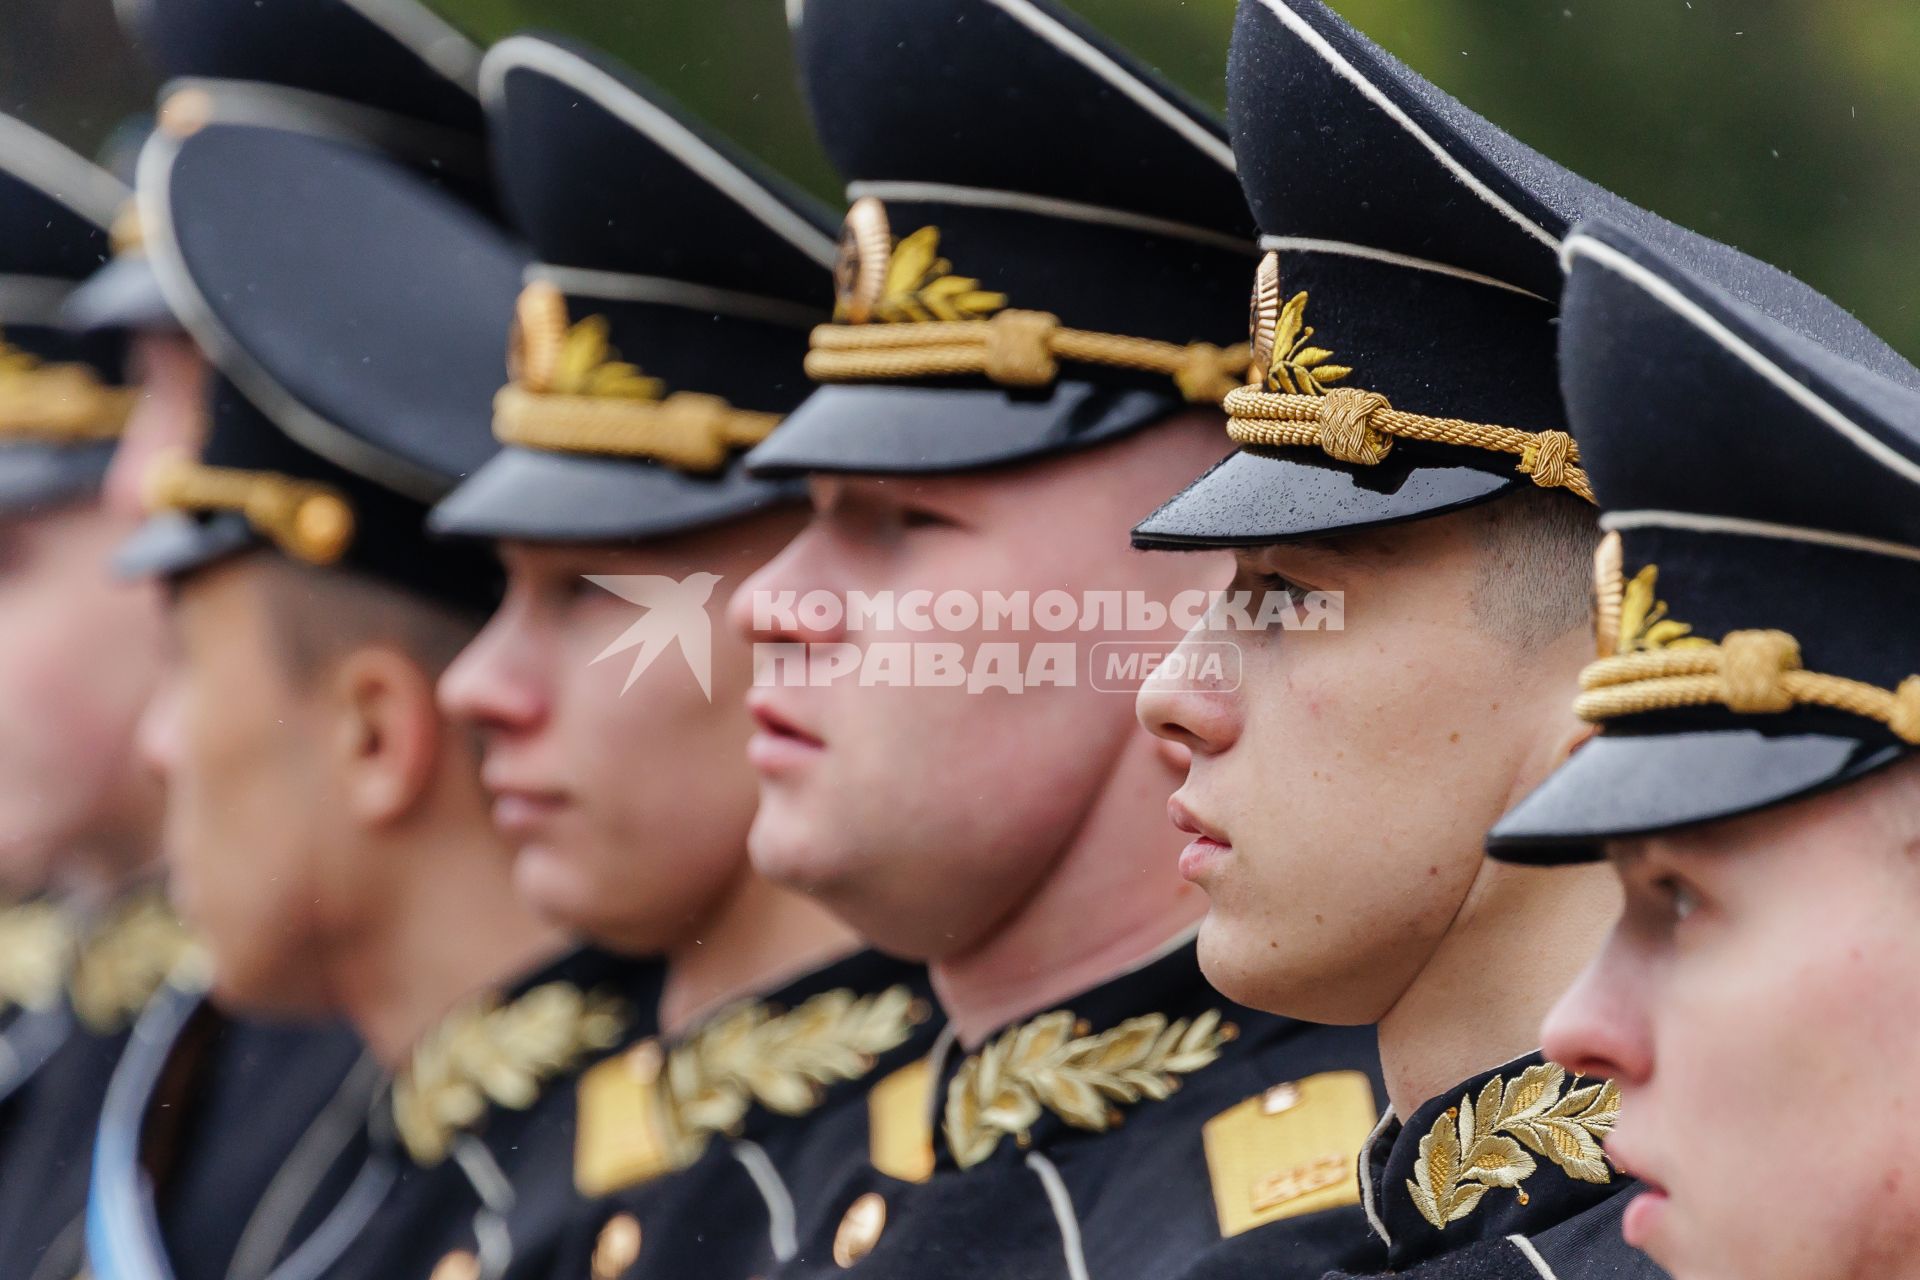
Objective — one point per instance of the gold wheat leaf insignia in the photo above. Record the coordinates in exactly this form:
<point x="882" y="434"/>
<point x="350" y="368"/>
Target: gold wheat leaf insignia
<point x="1296" y="367"/>
<point x="1491" y="1141"/>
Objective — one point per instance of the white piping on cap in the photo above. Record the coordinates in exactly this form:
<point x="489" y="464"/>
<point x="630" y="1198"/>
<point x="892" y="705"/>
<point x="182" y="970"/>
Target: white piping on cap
<point x="62" y="174"/>
<point x="1346" y="249"/>
<point x="1149" y="99"/>
<point x="431" y="38"/>
<point x="33" y="300"/>
<point x="670" y="134"/>
<point x="1348" y="72"/>
<point x="1663" y="291"/>
<point x="1046" y="207"/>
<point x="619" y="286"/>
<point x="262" y="389"/>
<point x="1690" y="523"/>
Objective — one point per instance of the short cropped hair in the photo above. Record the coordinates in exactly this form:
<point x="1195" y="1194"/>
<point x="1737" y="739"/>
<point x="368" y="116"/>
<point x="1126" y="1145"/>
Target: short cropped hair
<point x="322" y="615"/>
<point x="1535" y="581"/>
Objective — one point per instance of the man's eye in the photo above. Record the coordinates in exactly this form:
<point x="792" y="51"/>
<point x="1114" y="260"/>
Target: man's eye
<point x="915" y="518"/>
<point x="1680" y="897"/>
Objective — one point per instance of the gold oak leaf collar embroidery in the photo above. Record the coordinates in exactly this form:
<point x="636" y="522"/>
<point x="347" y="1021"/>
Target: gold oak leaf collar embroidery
<point x="1053" y="1064"/>
<point x="783" y="1061"/>
<point x="571" y="393"/>
<point x="136" y="949"/>
<point x="485" y="1053"/>
<point x="36" y="954"/>
<point x="901" y="313"/>
<point x="1491" y="1141"/>
<point x="1293" y="402"/>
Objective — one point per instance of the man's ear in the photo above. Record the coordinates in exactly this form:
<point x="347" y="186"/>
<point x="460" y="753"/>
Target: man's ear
<point x="389" y="734"/>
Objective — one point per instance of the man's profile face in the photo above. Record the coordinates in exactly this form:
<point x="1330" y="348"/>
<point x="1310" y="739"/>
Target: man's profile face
<point x="79" y="657"/>
<point x="628" y="805"/>
<point x="1755" y="1003"/>
<point x="242" y="750"/>
<point x="1338" y="796"/>
<point x="925" y="814"/>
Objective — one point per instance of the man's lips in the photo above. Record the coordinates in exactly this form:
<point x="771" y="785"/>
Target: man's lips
<point x="1206" y="848"/>
<point x="521" y="811"/>
<point x="778" y="743"/>
<point x="1647" y="1211"/>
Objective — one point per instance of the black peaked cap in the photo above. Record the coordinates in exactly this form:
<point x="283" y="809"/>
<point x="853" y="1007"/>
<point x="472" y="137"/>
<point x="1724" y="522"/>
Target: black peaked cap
<point x="1758" y="479"/>
<point x="1059" y="172"/>
<point x="55" y="208"/>
<point x="1426" y="241"/>
<point x="707" y="271"/>
<point x="356" y="315"/>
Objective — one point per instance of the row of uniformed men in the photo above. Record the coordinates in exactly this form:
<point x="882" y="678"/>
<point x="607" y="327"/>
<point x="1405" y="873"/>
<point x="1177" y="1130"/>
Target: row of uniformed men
<point x="435" y="788"/>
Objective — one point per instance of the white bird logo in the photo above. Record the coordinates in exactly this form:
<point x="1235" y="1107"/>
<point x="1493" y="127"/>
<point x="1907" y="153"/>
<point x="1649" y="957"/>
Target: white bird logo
<point x="676" y="610"/>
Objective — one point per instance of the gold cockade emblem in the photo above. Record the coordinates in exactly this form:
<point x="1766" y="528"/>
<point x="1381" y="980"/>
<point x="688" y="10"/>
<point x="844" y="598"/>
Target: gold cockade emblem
<point x="878" y="281"/>
<point x="488" y="1053"/>
<point x="1628" y="617"/>
<point x="1491" y="1141"/>
<point x="1283" y="359"/>
<point x="1053" y="1064"/>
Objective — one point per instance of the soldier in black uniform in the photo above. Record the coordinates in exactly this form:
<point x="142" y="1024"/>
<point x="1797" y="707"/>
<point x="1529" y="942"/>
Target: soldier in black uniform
<point x="1753" y="780"/>
<point x="81" y="654"/>
<point x="1405" y="442"/>
<point x="1033" y="326"/>
<point x="328" y="830"/>
<point x="661" y="335"/>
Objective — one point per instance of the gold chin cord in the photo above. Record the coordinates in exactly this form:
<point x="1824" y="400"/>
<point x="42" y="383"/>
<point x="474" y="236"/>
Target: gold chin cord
<point x="1748" y="672"/>
<point x="64" y="404"/>
<point x="311" y="522"/>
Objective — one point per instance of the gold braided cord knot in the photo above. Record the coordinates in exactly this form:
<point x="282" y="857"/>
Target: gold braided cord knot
<point x="58" y="403"/>
<point x="687" y="430"/>
<point x="309" y="521"/>
<point x="1361" y="427"/>
<point x="1014" y="349"/>
<point x="1748" y="672"/>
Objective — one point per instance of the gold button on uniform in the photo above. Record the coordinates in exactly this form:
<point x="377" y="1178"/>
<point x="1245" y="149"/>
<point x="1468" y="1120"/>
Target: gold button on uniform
<point x="617" y="1248"/>
<point x="461" y="1264"/>
<point x="860" y="1229"/>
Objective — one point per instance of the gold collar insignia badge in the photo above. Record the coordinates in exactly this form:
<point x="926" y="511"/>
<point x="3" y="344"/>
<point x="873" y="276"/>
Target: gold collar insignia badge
<point x="1055" y="1063"/>
<point x="1491" y="1141"/>
<point x="654" y="1109"/>
<point x="486" y="1053"/>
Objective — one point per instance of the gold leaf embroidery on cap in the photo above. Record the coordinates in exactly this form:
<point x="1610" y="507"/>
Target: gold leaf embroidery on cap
<point x="58" y="403"/>
<point x="1281" y="337"/>
<point x="908" y="282"/>
<point x="572" y="393"/>
<point x="1053" y="1064"/>
<point x="487" y="1053"/>
<point x="1643" y="622"/>
<point x="1485" y="1143"/>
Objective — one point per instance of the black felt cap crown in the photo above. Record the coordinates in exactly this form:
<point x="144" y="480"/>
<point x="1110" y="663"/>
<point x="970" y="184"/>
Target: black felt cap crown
<point x="391" y="70"/>
<point x="356" y="315"/>
<point x="695" y="273"/>
<point x="1060" y="176"/>
<point x="1418" y="243"/>
<point x="1758" y="464"/>
<point x="54" y="211"/>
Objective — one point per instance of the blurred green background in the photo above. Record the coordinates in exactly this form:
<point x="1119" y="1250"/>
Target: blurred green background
<point x="1790" y="128"/>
